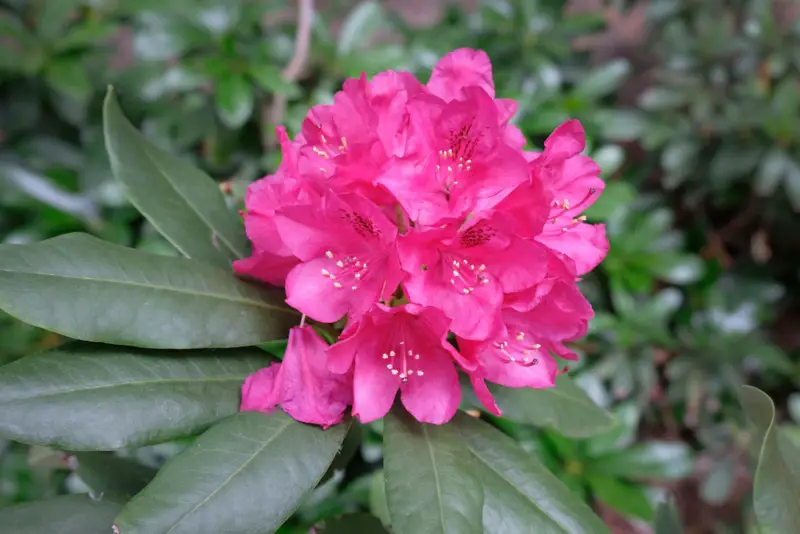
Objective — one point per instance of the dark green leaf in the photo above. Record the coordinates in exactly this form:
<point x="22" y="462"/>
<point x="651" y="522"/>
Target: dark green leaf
<point x="182" y="202"/>
<point x="521" y="495"/>
<point x="627" y="499"/>
<point x="431" y="487"/>
<point x="96" y="397"/>
<point x="668" y="519"/>
<point x="234" y="98"/>
<point x="353" y="524"/>
<point x="70" y="514"/>
<point x="109" y="474"/>
<point x="565" y="408"/>
<point x="776" y="488"/>
<point x="654" y="459"/>
<point x="87" y="289"/>
<point x="246" y="474"/>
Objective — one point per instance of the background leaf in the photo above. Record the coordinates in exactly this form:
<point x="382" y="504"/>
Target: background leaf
<point x="234" y="99"/>
<point x="105" y="473"/>
<point x="69" y="514"/>
<point x="96" y="397"/>
<point x="246" y="474"/>
<point x="91" y="290"/>
<point x="354" y="524"/>
<point x="431" y="485"/>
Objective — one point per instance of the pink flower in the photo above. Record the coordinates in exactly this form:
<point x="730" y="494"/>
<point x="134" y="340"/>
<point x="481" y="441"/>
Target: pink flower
<point x="302" y="384"/>
<point x="426" y="188"/>
<point x="460" y="162"/>
<point x="403" y="348"/>
<point x="574" y="183"/>
<point x="465" y="271"/>
<point x="347" y="249"/>
<point x="272" y="260"/>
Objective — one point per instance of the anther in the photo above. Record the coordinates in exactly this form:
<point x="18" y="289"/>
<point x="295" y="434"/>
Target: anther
<point x="329" y="254"/>
<point x="337" y="285"/>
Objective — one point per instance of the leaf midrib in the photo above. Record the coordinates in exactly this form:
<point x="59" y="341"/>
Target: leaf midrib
<point x="436" y="478"/>
<point x="272" y="438"/>
<point x="257" y="303"/>
<point x="124" y="384"/>
<point x="513" y="485"/>
<point x="193" y="208"/>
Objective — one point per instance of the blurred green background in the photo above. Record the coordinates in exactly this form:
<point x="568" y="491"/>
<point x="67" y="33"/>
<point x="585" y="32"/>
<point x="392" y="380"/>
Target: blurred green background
<point x="692" y="109"/>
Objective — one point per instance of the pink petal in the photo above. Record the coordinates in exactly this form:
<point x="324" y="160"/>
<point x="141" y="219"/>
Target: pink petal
<point x="585" y="244"/>
<point x="374" y="386"/>
<point x="302" y="385"/>
<point x="485" y="396"/>
<point x="434" y="397"/>
<point x="261" y="391"/>
<point x="315" y="295"/>
<point x="271" y="268"/>
<point x="566" y="141"/>
<point x="461" y="68"/>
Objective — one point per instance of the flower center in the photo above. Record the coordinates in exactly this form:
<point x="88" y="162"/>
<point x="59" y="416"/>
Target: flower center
<point x="464" y="276"/>
<point x="517" y="348"/>
<point x="345" y="271"/>
<point x="401" y="360"/>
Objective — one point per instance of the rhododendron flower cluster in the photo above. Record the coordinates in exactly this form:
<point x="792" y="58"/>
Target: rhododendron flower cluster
<point x="413" y="212"/>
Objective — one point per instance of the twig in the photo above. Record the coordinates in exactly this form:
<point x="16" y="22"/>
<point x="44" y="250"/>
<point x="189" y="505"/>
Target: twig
<point x="273" y="115"/>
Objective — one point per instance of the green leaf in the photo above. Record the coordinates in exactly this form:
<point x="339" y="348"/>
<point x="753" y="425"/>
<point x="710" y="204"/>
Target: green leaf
<point x="377" y="498"/>
<point x="69" y="76"/>
<point x="88" y="34"/>
<point x="88" y="289"/>
<point x="69" y="514"/>
<point x="616" y="197"/>
<point x="234" y="100"/>
<point x="668" y="519"/>
<point x="565" y="408"/>
<point x="246" y="474"/>
<point x="52" y="16"/>
<point x="270" y="78"/>
<point x="776" y="487"/>
<point x="100" y="397"/>
<point x="108" y="474"/>
<point x="622" y="435"/>
<point x="353" y="524"/>
<point x="771" y="171"/>
<point x="627" y="499"/>
<point x="359" y="27"/>
<point x="679" y="268"/>
<point x="521" y="495"/>
<point x="431" y="486"/>
<point x="182" y="202"/>
<point x="603" y="80"/>
<point x="654" y="459"/>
